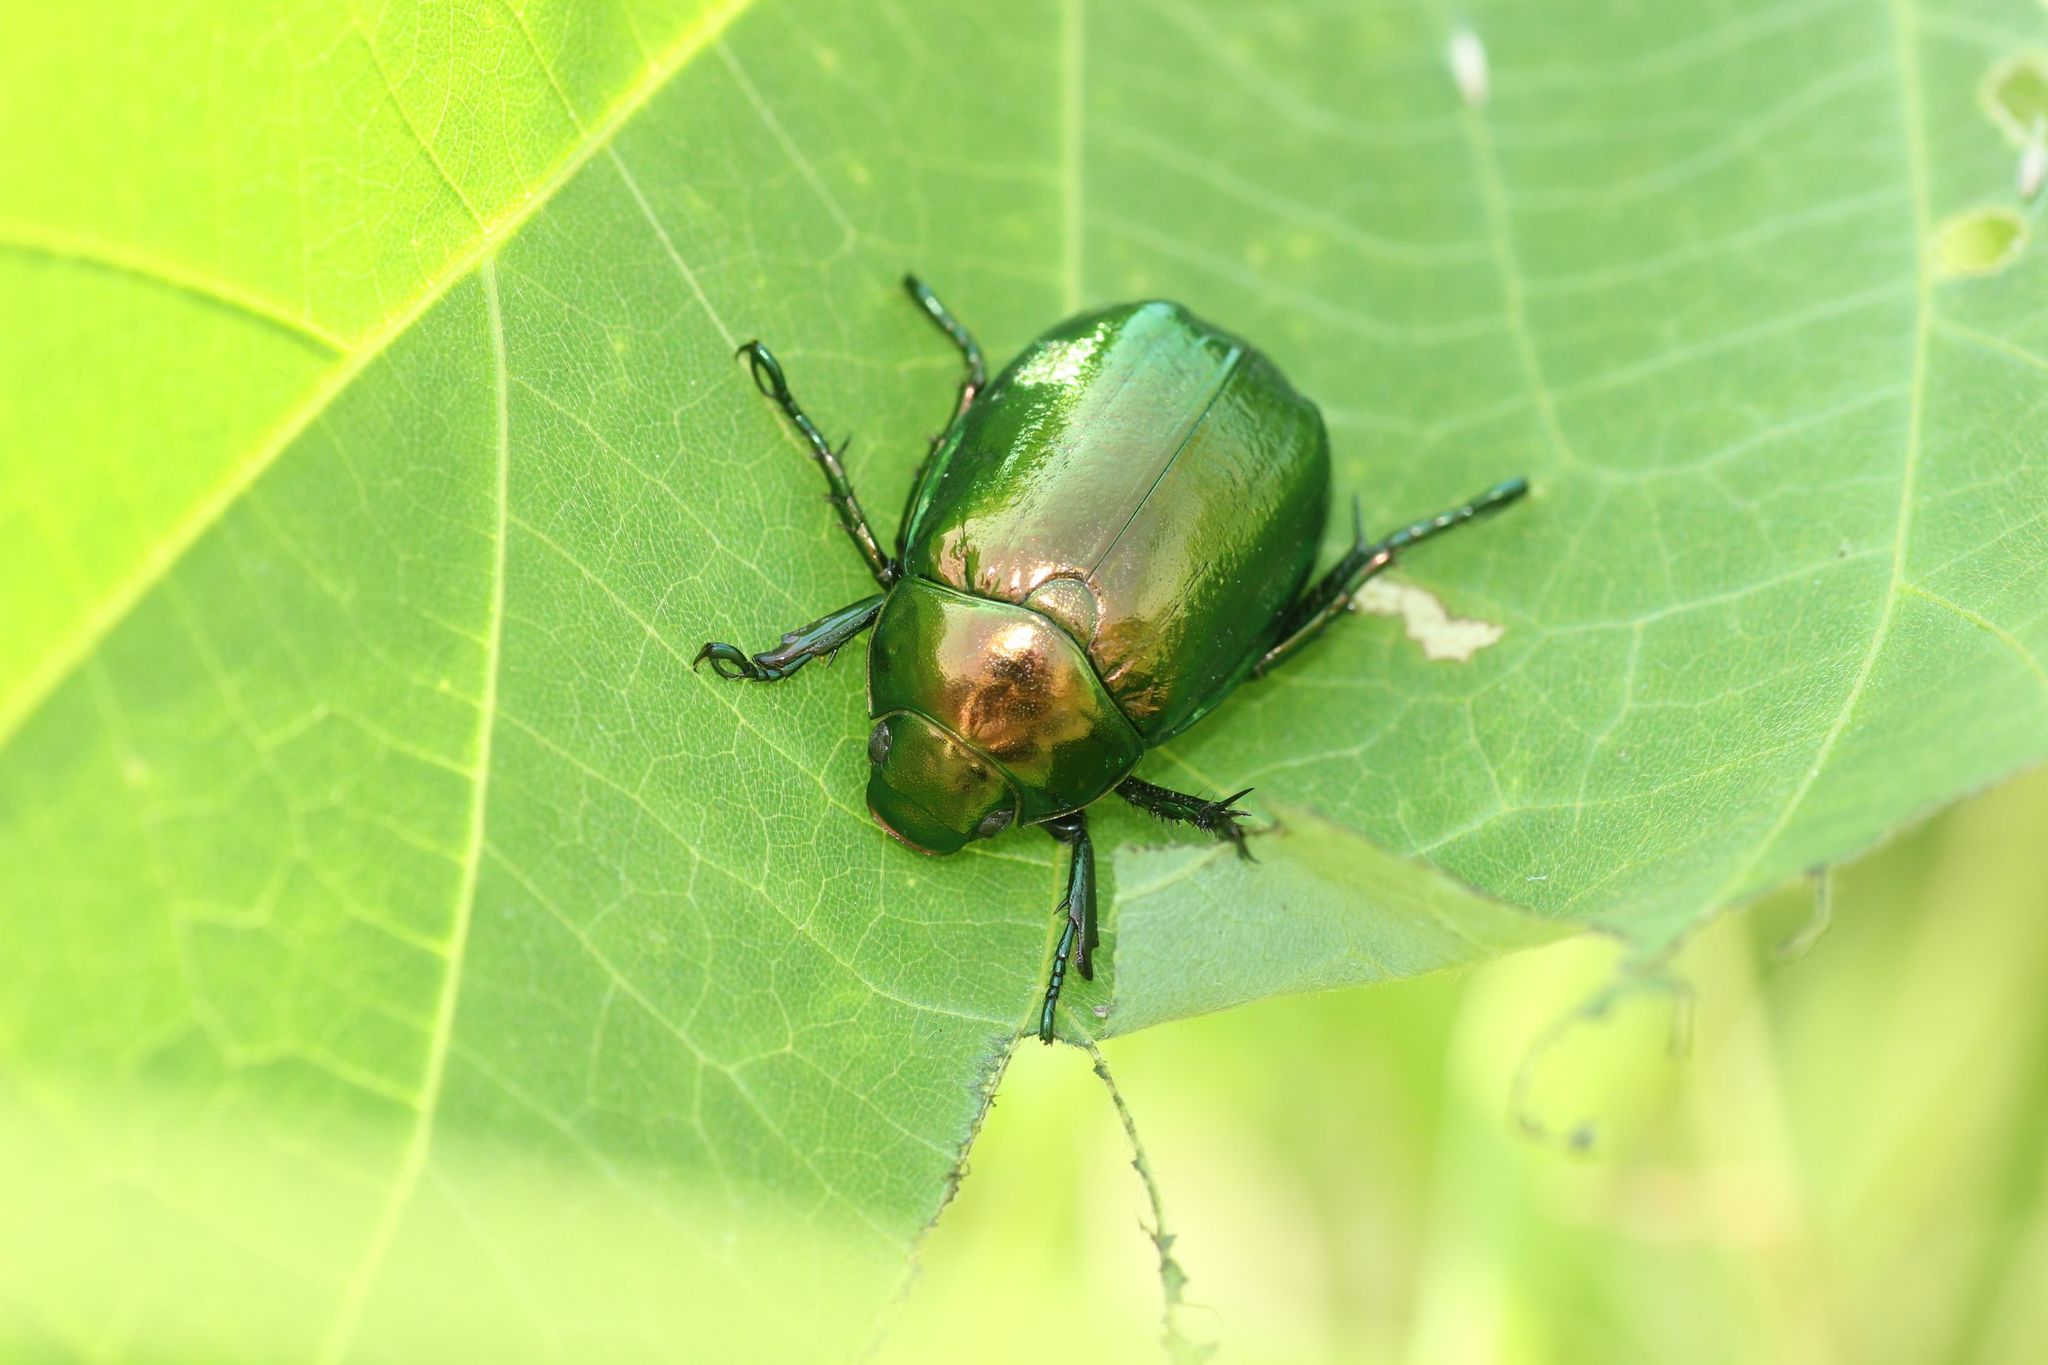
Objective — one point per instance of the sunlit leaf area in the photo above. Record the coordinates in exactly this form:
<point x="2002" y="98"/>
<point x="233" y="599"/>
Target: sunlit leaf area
<point x="406" y="955"/>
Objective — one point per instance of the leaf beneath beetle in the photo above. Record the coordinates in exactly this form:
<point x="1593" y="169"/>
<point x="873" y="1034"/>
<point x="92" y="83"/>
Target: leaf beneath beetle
<point x="1195" y="926"/>
<point x="410" y="955"/>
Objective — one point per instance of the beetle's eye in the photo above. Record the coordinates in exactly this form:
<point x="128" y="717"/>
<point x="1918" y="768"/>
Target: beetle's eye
<point x="878" y="743"/>
<point x="995" y="822"/>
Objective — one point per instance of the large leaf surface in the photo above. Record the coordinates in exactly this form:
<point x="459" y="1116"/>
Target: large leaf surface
<point x="401" y="938"/>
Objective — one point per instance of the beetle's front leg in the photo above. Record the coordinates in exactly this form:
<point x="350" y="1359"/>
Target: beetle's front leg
<point x="1219" y="817"/>
<point x="972" y="383"/>
<point x="1077" y="936"/>
<point x="976" y="378"/>
<point x="821" y="639"/>
<point x="768" y="378"/>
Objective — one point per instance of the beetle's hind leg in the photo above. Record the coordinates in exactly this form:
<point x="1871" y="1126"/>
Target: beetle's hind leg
<point x="821" y="639"/>
<point x="769" y="379"/>
<point x="1330" y="596"/>
<point x="1078" y="934"/>
<point x="1219" y="817"/>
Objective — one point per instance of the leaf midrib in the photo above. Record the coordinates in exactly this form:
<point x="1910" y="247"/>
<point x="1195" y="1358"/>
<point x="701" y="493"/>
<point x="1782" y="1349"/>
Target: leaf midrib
<point x="419" y="1142"/>
<point x="115" y="606"/>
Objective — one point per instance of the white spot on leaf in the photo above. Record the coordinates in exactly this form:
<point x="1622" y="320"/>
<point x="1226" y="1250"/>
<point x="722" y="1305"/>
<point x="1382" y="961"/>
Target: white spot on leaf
<point x="2034" y="159"/>
<point x="1441" y="635"/>
<point x="1468" y="66"/>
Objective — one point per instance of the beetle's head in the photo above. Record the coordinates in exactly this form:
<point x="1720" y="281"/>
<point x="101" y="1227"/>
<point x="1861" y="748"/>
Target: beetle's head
<point x="929" y="790"/>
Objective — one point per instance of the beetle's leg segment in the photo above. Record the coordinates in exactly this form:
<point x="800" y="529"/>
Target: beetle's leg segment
<point x="769" y="380"/>
<point x="1077" y="936"/>
<point x="1330" y="596"/>
<point x="821" y="639"/>
<point x="1219" y="817"/>
<point x="970" y="349"/>
<point x="973" y="383"/>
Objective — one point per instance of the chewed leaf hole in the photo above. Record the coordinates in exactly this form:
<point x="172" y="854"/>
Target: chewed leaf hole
<point x="1441" y="635"/>
<point x="1979" y="241"/>
<point x="2015" y="94"/>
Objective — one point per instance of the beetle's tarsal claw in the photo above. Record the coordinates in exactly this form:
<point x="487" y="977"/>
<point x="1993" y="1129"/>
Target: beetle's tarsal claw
<point x="1223" y="810"/>
<point x="730" y="662"/>
<point x="767" y="371"/>
<point x="1221" y="818"/>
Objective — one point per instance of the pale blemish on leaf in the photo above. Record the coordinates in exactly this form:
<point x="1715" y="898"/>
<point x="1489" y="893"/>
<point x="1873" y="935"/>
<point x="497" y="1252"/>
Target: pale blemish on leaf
<point x="1979" y="241"/>
<point x="1443" y="637"/>
<point x="2015" y="94"/>
<point x="1468" y="66"/>
<point x="2033" y="171"/>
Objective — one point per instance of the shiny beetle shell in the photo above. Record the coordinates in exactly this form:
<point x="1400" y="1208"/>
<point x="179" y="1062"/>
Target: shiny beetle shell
<point x="1148" y="481"/>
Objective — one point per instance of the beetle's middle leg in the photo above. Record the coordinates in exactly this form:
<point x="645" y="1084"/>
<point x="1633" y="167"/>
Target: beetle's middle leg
<point x="821" y="639"/>
<point x="769" y="380"/>
<point x="1330" y="596"/>
<point x="1077" y="936"/>
<point x="1219" y="817"/>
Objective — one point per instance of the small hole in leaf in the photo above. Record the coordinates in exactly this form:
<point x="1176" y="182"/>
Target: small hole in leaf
<point x="1980" y="241"/>
<point x="2015" y="94"/>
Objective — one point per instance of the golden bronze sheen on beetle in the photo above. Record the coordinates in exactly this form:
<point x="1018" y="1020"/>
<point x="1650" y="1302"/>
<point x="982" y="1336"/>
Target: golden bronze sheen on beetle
<point x="1101" y="545"/>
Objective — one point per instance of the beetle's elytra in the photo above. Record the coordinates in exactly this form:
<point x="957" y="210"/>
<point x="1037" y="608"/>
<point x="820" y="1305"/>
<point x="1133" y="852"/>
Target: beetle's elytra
<point x="1100" y="546"/>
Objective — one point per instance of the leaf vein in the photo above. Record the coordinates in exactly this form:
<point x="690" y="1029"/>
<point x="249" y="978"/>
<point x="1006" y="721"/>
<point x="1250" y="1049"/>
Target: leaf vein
<point x="414" y="1158"/>
<point x="1907" y="57"/>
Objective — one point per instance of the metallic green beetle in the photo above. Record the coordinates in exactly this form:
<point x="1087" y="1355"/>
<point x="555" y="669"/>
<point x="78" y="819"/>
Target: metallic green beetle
<point x="1099" y="547"/>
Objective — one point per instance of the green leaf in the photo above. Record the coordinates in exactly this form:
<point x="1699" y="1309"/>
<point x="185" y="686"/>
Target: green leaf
<point x="1199" y="930"/>
<point x="408" y="955"/>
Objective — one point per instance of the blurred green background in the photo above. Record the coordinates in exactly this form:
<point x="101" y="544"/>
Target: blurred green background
<point x="1845" y="1164"/>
